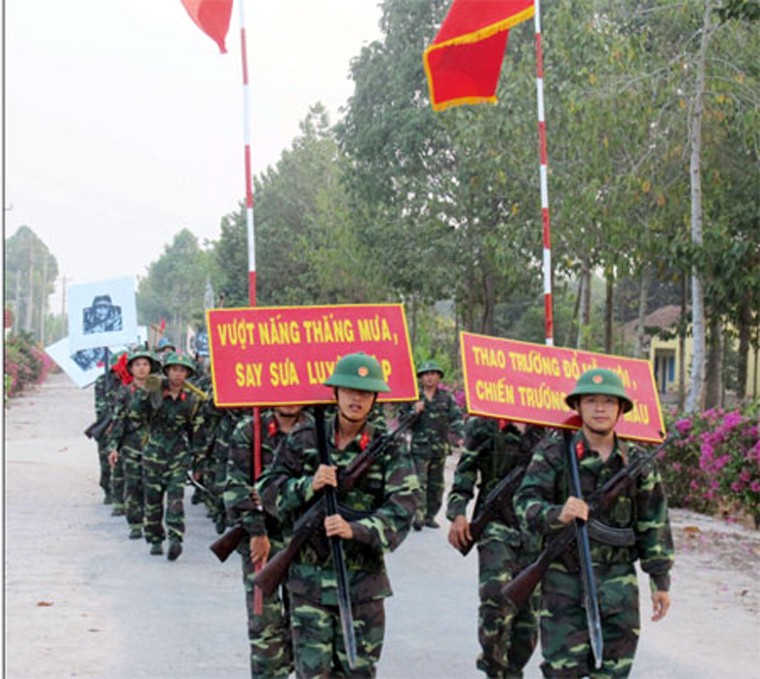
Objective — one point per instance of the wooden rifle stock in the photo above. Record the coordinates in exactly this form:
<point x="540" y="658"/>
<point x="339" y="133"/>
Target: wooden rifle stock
<point x="98" y="427"/>
<point x="519" y="589"/>
<point x="227" y="543"/>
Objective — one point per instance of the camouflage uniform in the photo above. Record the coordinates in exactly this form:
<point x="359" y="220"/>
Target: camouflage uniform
<point x="493" y="448"/>
<point x="641" y="515"/>
<point x="386" y="495"/>
<point x="128" y="436"/>
<point x="216" y="464"/>
<point x="106" y="394"/>
<point x="268" y="633"/>
<point x="430" y="434"/>
<point x="167" y="457"/>
<point x="101" y="411"/>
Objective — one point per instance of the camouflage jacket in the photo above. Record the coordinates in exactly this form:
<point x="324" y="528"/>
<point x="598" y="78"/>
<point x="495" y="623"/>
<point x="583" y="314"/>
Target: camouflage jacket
<point x="493" y="448"/>
<point x="238" y="485"/>
<point x="440" y="417"/>
<point x="642" y="509"/>
<point x="383" y="503"/>
<point x="174" y="424"/>
<point x="130" y="422"/>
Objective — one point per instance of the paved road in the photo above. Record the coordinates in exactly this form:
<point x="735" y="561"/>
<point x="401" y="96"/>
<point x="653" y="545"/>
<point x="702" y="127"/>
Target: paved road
<point x="82" y="600"/>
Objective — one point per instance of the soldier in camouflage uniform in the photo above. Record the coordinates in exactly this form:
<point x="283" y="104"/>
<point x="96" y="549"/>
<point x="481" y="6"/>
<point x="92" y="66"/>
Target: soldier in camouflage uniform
<point x="216" y="461"/>
<point x="635" y="526"/>
<point x="115" y="383"/>
<point x="383" y="503"/>
<point x="268" y="631"/>
<point x="105" y="385"/>
<point x="493" y="448"/>
<point x="174" y="412"/>
<point x="129" y="435"/>
<point x="438" y="418"/>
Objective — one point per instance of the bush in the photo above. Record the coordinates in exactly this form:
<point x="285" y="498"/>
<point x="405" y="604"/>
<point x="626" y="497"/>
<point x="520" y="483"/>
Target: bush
<point x="716" y="462"/>
<point x="25" y="364"/>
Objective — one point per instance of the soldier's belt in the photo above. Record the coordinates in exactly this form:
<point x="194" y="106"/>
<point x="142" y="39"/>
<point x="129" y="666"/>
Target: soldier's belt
<point x="608" y="535"/>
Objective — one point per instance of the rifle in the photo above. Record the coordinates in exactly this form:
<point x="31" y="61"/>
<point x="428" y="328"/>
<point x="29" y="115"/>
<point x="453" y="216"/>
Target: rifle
<point x="590" y="597"/>
<point x="275" y="570"/>
<point x="492" y="505"/>
<point x="330" y="494"/>
<point x="98" y="427"/>
<point x="518" y="590"/>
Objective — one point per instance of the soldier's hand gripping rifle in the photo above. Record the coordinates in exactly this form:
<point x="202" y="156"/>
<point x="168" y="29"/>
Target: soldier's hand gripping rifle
<point x="519" y="589"/>
<point x="275" y="570"/>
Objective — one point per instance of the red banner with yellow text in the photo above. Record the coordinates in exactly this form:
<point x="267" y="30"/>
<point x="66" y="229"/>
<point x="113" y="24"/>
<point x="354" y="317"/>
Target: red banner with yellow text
<point x="528" y="382"/>
<point x="267" y="356"/>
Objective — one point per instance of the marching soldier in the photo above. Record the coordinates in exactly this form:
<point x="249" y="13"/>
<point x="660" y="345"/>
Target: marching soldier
<point x="439" y="417"/>
<point x="634" y="527"/>
<point x="268" y="631"/>
<point x="493" y="449"/>
<point x="129" y="435"/>
<point x="382" y="504"/>
<point x="174" y="412"/>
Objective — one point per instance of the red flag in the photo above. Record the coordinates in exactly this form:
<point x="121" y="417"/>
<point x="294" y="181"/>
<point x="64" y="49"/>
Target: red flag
<point x="464" y="60"/>
<point x="212" y="17"/>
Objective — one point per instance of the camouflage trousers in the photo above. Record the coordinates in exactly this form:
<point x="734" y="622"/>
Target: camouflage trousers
<point x="564" y="633"/>
<point x="318" y="640"/>
<point x="104" y="480"/>
<point x="507" y="638"/>
<point x="268" y="632"/>
<point x="117" y="485"/>
<point x="162" y="478"/>
<point x="134" y="494"/>
<point x="430" y="476"/>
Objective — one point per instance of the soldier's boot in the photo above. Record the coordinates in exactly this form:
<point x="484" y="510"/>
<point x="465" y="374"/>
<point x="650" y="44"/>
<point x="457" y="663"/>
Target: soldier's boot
<point x="430" y="522"/>
<point x="118" y="510"/>
<point x="107" y="499"/>
<point x="175" y="549"/>
<point x="135" y="532"/>
<point x="156" y="549"/>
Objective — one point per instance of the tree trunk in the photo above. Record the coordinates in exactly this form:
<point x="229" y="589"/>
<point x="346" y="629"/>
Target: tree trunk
<point x="609" y="306"/>
<point x="646" y="281"/>
<point x="585" y="309"/>
<point x="489" y="303"/>
<point x="742" y="363"/>
<point x="714" y="382"/>
<point x="682" y="328"/>
<point x="695" y="400"/>
<point x="29" y="295"/>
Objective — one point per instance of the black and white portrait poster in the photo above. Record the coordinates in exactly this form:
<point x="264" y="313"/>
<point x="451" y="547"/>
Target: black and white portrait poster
<point x="102" y="314"/>
<point x="86" y="365"/>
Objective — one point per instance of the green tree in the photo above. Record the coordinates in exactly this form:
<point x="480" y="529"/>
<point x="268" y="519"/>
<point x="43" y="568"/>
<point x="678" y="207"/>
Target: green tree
<point x="175" y="285"/>
<point x="30" y="275"/>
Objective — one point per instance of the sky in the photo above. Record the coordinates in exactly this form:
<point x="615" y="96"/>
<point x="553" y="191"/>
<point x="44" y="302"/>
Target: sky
<point x="124" y="123"/>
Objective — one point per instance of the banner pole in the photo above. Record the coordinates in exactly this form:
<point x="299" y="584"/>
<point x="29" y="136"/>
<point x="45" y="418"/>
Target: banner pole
<point x="543" y="175"/>
<point x="258" y="605"/>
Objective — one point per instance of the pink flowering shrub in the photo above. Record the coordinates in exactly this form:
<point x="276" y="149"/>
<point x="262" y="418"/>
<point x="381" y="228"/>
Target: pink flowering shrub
<point x="25" y="364"/>
<point x="716" y="460"/>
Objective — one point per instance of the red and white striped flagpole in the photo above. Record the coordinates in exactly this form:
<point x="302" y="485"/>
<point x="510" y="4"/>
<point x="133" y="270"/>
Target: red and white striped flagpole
<point x="247" y="151"/>
<point x="543" y="173"/>
<point x="258" y="602"/>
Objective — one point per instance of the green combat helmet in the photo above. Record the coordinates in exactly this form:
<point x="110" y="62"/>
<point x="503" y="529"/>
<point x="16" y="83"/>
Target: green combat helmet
<point x="430" y="366"/>
<point x="179" y="359"/>
<point x="358" y="371"/>
<point x="143" y="353"/>
<point x="599" y="381"/>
